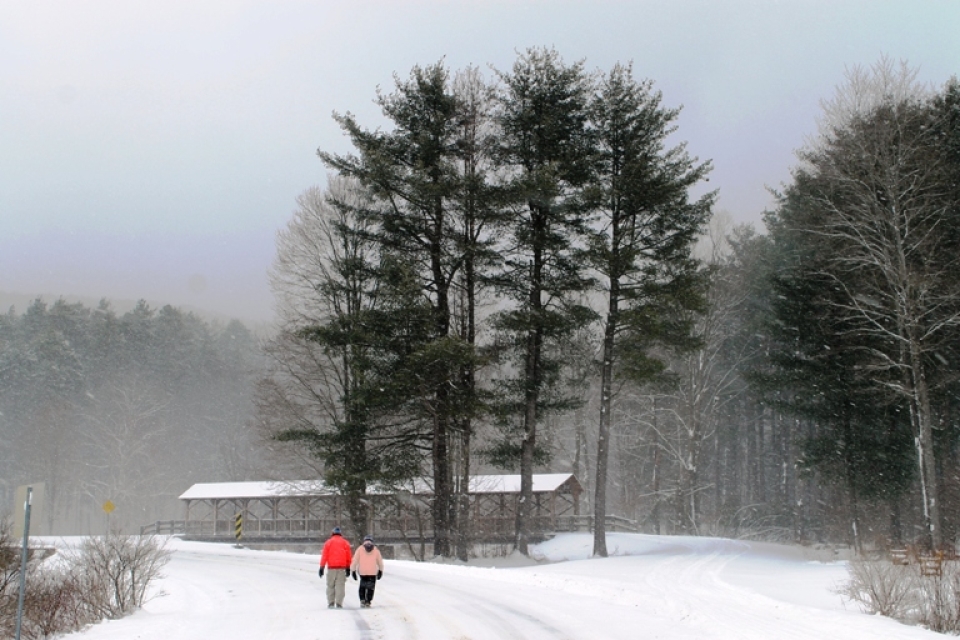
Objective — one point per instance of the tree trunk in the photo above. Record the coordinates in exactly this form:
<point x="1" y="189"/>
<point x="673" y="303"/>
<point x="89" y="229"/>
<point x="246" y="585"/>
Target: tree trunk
<point x="929" y="482"/>
<point x="442" y="476"/>
<point x="603" y="437"/>
<point x="463" y="510"/>
<point x="532" y="378"/>
<point x="852" y="470"/>
<point x="441" y="488"/>
<point x="528" y="446"/>
<point x="656" y="471"/>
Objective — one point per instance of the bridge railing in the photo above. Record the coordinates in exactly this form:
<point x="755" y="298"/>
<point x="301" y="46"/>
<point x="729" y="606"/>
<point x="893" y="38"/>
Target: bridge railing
<point x="484" y="527"/>
<point x="585" y="523"/>
<point x="164" y="527"/>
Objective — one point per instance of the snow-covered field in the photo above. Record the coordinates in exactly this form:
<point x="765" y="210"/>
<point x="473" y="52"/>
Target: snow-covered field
<point x="655" y="587"/>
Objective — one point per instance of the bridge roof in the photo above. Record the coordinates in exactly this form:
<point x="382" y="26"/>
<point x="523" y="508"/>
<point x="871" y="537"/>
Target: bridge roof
<point x="479" y="484"/>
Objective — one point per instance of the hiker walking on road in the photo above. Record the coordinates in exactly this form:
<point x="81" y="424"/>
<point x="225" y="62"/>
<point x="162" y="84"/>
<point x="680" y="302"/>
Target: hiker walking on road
<point x="368" y="562"/>
<point x="336" y="558"/>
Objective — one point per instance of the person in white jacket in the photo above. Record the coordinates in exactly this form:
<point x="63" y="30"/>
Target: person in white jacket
<point x="368" y="562"/>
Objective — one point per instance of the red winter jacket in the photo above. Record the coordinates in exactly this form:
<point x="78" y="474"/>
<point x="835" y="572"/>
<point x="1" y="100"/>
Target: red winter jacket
<point x="336" y="553"/>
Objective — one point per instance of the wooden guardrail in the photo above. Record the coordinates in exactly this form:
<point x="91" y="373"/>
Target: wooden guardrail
<point x="164" y="527"/>
<point x="585" y="523"/>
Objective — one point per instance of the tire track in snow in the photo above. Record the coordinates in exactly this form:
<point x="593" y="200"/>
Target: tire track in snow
<point x="366" y="631"/>
<point x="391" y="618"/>
<point x="211" y="600"/>
<point x="487" y="617"/>
<point x="691" y="589"/>
<point x="695" y="591"/>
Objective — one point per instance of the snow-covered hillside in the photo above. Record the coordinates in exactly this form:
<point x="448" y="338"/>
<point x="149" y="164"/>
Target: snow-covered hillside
<point x="655" y="587"/>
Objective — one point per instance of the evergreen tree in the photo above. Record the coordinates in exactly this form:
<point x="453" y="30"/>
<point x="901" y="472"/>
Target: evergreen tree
<point x="545" y="149"/>
<point x="84" y="407"/>
<point x="873" y="208"/>
<point x="425" y="172"/>
<point x="477" y="213"/>
<point x="327" y="282"/>
<point x="823" y="375"/>
<point x="647" y="226"/>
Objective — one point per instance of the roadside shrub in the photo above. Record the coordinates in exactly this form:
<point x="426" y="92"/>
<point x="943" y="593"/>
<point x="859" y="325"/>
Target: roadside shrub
<point x="114" y="571"/>
<point x="9" y="579"/>
<point x="104" y="577"/>
<point x="880" y="586"/>
<point x="51" y="604"/>
<point x="901" y="592"/>
<point x="939" y="600"/>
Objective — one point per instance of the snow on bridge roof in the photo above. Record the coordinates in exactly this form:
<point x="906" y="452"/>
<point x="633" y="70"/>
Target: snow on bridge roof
<point x="263" y="489"/>
<point x="542" y="483"/>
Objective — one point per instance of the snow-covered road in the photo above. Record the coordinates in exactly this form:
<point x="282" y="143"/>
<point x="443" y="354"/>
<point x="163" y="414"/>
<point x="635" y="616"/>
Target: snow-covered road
<point x="660" y="587"/>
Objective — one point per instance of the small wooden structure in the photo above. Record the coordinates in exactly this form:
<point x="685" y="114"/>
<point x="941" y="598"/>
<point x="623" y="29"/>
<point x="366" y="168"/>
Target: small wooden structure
<point x="309" y="510"/>
<point x="931" y="564"/>
<point x="900" y="556"/>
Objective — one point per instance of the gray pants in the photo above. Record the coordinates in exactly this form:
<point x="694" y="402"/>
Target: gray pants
<point x="336" y="585"/>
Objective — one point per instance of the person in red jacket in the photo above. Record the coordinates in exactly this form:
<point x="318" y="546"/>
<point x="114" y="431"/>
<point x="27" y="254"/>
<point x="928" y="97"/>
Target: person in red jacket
<point x="336" y="557"/>
<point x="369" y="563"/>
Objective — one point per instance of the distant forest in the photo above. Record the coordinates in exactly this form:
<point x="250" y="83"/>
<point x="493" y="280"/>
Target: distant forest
<point x="128" y="408"/>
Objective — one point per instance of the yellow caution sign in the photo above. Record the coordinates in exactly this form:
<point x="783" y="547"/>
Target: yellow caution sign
<point x="238" y="525"/>
<point x="108" y="507"/>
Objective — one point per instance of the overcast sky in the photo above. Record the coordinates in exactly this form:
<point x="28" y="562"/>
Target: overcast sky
<point x="153" y="149"/>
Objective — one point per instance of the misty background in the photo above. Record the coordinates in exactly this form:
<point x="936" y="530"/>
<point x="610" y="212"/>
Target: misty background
<point x="153" y="150"/>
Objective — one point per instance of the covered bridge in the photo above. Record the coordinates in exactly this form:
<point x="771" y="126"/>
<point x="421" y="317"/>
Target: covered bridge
<point x="308" y="510"/>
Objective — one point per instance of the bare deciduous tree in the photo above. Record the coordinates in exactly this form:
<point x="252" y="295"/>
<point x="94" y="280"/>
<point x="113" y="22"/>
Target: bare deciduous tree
<point x="126" y="425"/>
<point x="878" y="203"/>
<point x="708" y="379"/>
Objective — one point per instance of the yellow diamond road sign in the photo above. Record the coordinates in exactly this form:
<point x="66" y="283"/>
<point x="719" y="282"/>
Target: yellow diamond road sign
<point x="109" y="507"/>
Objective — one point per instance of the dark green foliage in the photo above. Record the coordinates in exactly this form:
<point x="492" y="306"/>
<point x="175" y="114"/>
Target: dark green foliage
<point x="472" y="196"/>
<point x="505" y="453"/>
<point x="377" y="432"/>
<point x="646" y="227"/>
<point x="546" y="149"/>
<point x="567" y="187"/>
<point x="659" y="318"/>
<point x="863" y="434"/>
<point x="866" y="301"/>
<point x="430" y="214"/>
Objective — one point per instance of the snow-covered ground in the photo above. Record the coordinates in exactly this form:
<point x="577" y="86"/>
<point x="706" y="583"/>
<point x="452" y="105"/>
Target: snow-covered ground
<point x="654" y="587"/>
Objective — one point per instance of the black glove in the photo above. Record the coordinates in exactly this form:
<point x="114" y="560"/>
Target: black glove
<point x="379" y="574"/>
<point x="354" y="574"/>
<point x="321" y="572"/>
<point x="347" y="571"/>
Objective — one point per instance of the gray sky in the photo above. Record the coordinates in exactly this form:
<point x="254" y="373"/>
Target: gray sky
<point x="153" y="149"/>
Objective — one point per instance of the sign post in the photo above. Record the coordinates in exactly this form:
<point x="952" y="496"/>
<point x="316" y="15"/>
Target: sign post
<point x="238" y="527"/>
<point x="23" y="561"/>
<point x="108" y="508"/>
<point x="38" y="489"/>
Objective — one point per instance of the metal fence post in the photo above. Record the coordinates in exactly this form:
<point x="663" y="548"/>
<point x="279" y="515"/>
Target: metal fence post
<point x="23" y="561"/>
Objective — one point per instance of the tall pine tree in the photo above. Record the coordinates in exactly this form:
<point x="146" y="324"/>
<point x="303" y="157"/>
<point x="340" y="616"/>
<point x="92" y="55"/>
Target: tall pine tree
<point x="413" y="171"/>
<point x="546" y="150"/>
<point x="647" y="226"/>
